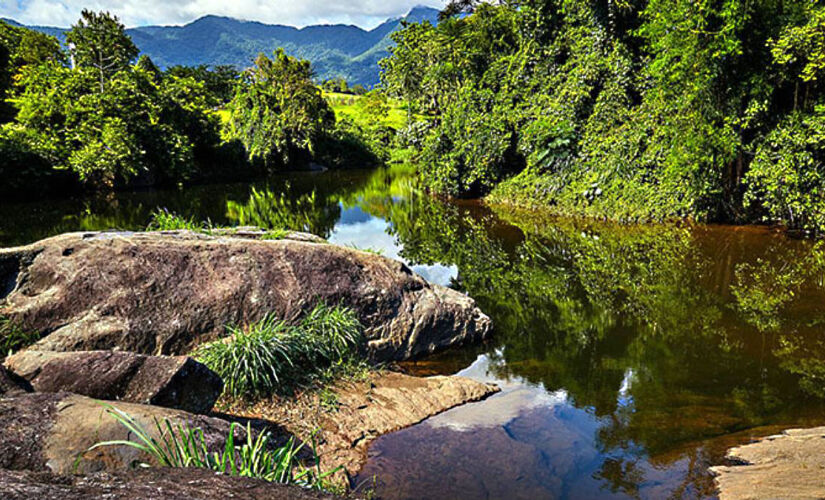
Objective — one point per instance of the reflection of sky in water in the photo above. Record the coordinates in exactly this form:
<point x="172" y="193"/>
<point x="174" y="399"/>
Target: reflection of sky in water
<point x="515" y="397"/>
<point x="524" y="442"/>
<point x="360" y="229"/>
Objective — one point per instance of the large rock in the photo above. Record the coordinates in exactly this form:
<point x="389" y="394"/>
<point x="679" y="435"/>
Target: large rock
<point x="788" y="466"/>
<point x="174" y="382"/>
<point x="164" y="293"/>
<point x="155" y="483"/>
<point x="48" y="431"/>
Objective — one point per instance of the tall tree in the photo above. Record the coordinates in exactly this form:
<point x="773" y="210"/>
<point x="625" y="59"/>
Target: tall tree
<point x="278" y="113"/>
<point x="99" y="41"/>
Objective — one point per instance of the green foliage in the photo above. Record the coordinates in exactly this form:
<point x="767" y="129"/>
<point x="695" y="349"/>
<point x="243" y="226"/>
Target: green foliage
<point x="277" y="211"/>
<point x="183" y="446"/>
<point x="164" y="220"/>
<point x="99" y="42"/>
<point x="278" y="114"/>
<point x="272" y="356"/>
<point x="648" y="109"/>
<point x="787" y="175"/>
<point x="13" y="337"/>
<point x="220" y="81"/>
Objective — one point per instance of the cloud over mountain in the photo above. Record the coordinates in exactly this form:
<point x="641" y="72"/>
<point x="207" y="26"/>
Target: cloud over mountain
<point x="363" y="13"/>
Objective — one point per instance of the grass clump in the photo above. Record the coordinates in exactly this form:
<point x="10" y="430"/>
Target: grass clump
<point x="273" y="356"/>
<point x="13" y="337"/>
<point x="179" y="446"/>
<point x="275" y="234"/>
<point x="164" y="220"/>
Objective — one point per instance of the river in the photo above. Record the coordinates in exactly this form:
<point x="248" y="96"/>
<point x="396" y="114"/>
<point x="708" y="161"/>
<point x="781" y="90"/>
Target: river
<point x="630" y="356"/>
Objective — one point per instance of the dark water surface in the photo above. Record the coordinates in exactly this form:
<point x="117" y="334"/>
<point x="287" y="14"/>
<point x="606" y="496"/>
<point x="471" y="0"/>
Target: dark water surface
<point x="630" y="357"/>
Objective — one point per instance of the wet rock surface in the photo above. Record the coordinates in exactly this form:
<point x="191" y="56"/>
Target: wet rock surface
<point x="48" y="431"/>
<point x="155" y="483"/>
<point x="173" y="382"/>
<point x="789" y="465"/>
<point x="164" y="293"/>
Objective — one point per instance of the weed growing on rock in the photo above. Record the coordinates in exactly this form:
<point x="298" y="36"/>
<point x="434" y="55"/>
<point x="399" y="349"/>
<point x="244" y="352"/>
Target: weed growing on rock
<point x="184" y="446"/>
<point x="164" y="220"/>
<point x="273" y="356"/>
<point x="13" y="337"/>
<point x="275" y="234"/>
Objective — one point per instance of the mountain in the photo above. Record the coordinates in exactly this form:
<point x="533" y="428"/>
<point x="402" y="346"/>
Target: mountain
<point x="336" y="50"/>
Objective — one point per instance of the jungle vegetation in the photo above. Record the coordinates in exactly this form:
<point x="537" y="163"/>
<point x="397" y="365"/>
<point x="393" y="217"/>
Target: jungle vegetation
<point x="94" y="115"/>
<point x="628" y="109"/>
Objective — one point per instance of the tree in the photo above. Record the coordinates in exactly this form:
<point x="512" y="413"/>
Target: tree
<point x="277" y="113"/>
<point x="20" y="47"/>
<point x="99" y="41"/>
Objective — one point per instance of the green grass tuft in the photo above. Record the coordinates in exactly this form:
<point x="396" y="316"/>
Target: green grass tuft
<point x="13" y="337"/>
<point x="179" y="446"/>
<point x="272" y="356"/>
<point x="275" y="234"/>
<point x="164" y="220"/>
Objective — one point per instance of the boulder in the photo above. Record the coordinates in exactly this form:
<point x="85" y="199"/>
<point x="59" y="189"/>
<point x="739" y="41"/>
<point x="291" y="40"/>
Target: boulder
<point x="164" y="293"/>
<point x="173" y="382"/>
<point x="787" y="466"/>
<point x="158" y="483"/>
<point x="49" y="431"/>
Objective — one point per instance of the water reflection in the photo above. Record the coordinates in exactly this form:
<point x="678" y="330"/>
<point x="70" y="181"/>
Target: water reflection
<point x="630" y="357"/>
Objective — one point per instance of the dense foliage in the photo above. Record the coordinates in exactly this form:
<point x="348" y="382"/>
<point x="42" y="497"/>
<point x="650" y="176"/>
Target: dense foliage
<point x="96" y="115"/>
<point x="279" y="114"/>
<point x="641" y="109"/>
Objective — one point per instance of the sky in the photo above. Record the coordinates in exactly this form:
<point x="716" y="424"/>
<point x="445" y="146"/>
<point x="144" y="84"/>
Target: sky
<point x="63" y="13"/>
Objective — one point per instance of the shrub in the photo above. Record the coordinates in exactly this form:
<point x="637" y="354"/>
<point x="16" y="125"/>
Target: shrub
<point x="179" y="446"/>
<point x="272" y="356"/>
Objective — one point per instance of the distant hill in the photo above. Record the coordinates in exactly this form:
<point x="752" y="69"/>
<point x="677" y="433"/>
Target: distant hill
<point x="335" y="50"/>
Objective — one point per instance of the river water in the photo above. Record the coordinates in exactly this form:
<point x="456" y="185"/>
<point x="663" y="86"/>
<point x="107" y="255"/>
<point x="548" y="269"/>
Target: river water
<point x="629" y="357"/>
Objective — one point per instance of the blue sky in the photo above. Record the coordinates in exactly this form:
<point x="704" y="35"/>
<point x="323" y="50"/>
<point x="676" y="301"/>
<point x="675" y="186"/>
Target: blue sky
<point x="63" y="13"/>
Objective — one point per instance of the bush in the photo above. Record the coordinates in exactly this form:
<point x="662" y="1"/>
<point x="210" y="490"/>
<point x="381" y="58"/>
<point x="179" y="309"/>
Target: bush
<point x="272" y="356"/>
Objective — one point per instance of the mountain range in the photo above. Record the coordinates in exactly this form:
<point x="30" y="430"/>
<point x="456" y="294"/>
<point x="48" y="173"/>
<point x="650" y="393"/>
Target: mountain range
<point x="335" y="50"/>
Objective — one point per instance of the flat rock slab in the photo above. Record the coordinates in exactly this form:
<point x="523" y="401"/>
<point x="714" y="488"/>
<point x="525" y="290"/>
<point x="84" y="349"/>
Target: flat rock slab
<point x="48" y="431"/>
<point x="155" y="484"/>
<point x="173" y="382"/>
<point x="365" y="410"/>
<point x="788" y="466"/>
<point x="165" y="293"/>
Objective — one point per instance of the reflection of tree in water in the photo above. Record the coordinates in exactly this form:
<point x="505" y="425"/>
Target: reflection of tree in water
<point x="781" y="295"/>
<point x="268" y="209"/>
<point x="591" y="308"/>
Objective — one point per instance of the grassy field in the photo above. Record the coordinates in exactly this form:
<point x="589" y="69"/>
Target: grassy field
<point x="345" y="106"/>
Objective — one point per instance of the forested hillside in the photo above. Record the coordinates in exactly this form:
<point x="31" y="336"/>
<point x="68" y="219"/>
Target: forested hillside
<point x="335" y="51"/>
<point x="629" y="109"/>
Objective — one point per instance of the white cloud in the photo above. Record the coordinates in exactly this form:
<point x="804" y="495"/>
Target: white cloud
<point x="63" y="13"/>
